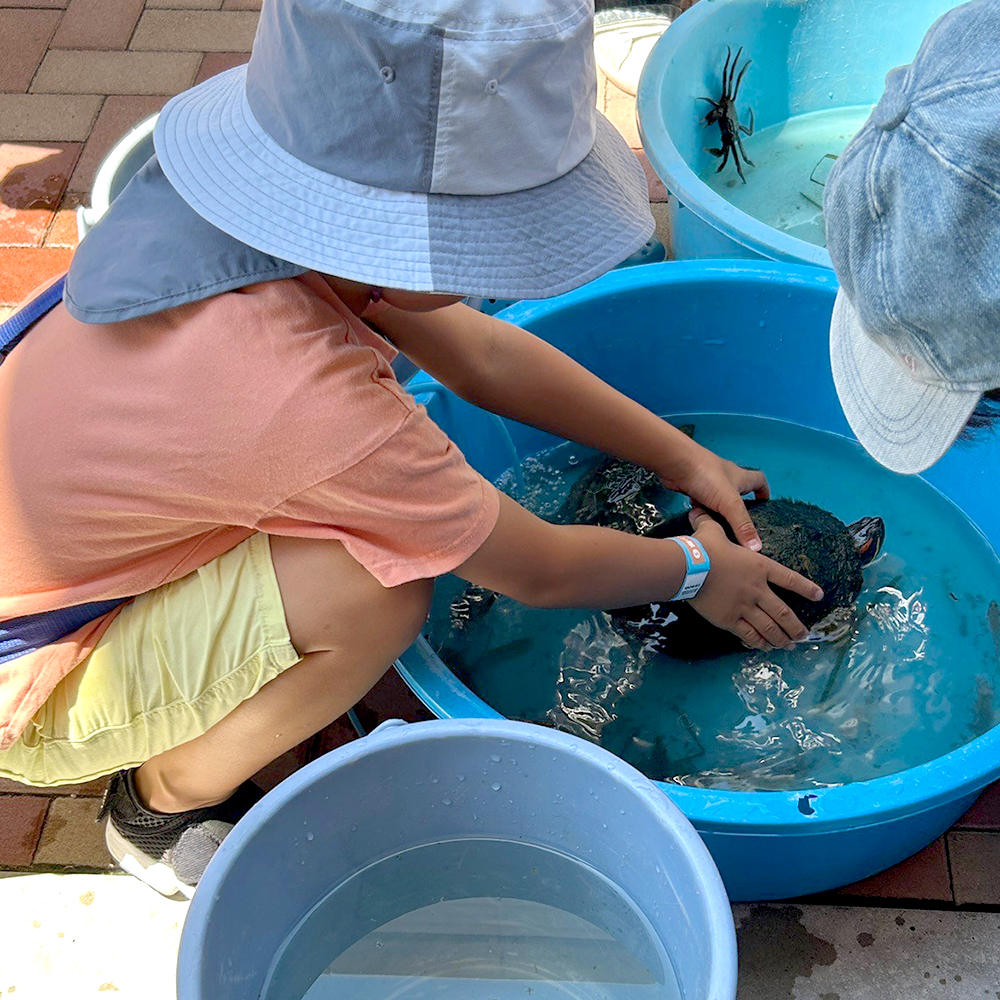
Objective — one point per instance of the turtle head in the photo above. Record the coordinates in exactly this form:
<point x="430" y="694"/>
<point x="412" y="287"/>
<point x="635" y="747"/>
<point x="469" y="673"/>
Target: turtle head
<point x="868" y="535"/>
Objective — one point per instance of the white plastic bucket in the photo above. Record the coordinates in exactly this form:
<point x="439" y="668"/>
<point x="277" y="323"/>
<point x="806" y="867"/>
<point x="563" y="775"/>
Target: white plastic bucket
<point x="115" y="171"/>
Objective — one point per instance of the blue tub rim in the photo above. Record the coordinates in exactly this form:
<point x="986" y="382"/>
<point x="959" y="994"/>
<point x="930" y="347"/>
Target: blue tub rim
<point x="682" y="182"/>
<point x="907" y="793"/>
<point x="395" y="734"/>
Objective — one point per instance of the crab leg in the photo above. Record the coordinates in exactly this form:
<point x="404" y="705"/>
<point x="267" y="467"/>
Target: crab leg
<point x="748" y="129"/>
<point x="736" y="160"/>
<point x="739" y="142"/>
<point x="725" y="160"/>
<point x="730" y="89"/>
<point x="739" y="79"/>
<point x="725" y="73"/>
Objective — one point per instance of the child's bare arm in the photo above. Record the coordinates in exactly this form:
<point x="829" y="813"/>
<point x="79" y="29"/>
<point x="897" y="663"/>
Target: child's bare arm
<point x="548" y="565"/>
<point x="509" y="371"/>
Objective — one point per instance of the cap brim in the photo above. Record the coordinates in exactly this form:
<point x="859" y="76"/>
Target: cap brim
<point x="528" y="244"/>
<point x="905" y="424"/>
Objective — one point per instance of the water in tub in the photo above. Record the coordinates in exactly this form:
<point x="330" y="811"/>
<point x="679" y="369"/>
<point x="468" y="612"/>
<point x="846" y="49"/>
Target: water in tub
<point x="784" y="188"/>
<point x="915" y="678"/>
<point x="465" y="919"/>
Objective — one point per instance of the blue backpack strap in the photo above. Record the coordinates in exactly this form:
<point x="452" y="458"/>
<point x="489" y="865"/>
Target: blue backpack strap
<point x="14" y="327"/>
<point x="24" y="635"/>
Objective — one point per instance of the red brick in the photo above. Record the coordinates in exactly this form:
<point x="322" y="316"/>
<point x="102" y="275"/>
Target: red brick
<point x="117" y="116"/>
<point x="24" y="34"/>
<point x="97" y="24"/>
<point x="195" y="31"/>
<point x="21" y="820"/>
<point x="218" y="62"/>
<point x="657" y="191"/>
<point x="241" y="4"/>
<point x="64" y="232"/>
<point x="22" y="270"/>
<point x="923" y="876"/>
<point x="281" y="767"/>
<point x="32" y="181"/>
<point x="47" y="117"/>
<point x="71" y="835"/>
<point x="71" y="71"/>
<point x="336" y="735"/>
<point x="985" y="814"/>
<point x="53" y="4"/>
<point x="184" y="4"/>
<point x="391" y="699"/>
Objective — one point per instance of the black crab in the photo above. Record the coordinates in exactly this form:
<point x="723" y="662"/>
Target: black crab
<point x="725" y="115"/>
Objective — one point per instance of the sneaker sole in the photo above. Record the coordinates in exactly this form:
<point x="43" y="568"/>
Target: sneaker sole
<point x="154" y="873"/>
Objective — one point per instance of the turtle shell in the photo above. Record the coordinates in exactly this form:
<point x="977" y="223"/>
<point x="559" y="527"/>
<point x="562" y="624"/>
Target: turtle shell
<point x="799" y="535"/>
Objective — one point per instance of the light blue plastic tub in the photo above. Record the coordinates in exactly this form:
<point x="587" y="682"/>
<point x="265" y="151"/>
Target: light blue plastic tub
<point x="808" y="55"/>
<point x="757" y="335"/>
<point x="373" y="799"/>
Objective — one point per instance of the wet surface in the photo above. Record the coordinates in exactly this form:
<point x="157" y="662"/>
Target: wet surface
<point x="808" y="952"/>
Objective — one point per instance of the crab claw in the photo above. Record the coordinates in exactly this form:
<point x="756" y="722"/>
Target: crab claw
<point x="868" y="535"/>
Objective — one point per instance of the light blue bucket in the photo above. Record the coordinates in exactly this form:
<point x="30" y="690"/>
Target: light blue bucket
<point x="808" y="56"/>
<point x="757" y="335"/>
<point x="374" y="798"/>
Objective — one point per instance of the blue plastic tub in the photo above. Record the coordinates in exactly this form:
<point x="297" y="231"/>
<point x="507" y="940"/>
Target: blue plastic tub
<point x="807" y="57"/>
<point x="375" y="798"/>
<point x="638" y="329"/>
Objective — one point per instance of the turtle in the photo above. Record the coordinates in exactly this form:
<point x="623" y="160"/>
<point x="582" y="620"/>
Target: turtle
<point x="806" y="538"/>
<point x="618" y="494"/>
<point x="799" y="535"/>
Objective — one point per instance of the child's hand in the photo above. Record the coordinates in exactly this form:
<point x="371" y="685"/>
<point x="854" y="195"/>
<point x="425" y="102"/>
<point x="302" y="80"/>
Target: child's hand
<point x="717" y="484"/>
<point x="737" y="595"/>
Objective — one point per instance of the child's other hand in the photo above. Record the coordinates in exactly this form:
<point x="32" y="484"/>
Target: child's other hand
<point x="717" y="484"/>
<point x="737" y="595"/>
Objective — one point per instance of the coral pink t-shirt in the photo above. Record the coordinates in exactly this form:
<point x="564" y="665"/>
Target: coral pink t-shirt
<point x="132" y="453"/>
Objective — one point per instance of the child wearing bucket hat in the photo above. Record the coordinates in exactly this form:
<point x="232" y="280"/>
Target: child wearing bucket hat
<point x="222" y="513"/>
<point x="912" y="212"/>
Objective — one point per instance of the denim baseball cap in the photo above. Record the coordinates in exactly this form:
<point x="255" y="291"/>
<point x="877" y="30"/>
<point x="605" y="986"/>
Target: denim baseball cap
<point x="912" y="213"/>
<point x="449" y="146"/>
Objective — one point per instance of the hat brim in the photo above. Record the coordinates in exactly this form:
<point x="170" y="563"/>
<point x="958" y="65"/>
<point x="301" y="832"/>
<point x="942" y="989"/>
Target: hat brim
<point x="527" y="244"/>
<point x="905" y="424"/>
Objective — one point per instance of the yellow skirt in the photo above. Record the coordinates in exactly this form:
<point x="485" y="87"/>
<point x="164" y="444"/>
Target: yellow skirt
<point x="173" y="663"/>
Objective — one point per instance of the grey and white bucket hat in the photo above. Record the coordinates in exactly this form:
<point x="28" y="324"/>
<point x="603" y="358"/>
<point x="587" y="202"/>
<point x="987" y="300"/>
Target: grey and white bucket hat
<point x="912" y="212"/>
<point x="455" y="147"/>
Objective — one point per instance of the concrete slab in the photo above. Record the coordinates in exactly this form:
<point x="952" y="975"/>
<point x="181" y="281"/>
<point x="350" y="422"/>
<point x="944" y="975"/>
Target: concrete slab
<point x="79" y="935"/>
<point x="793" y="952"/>
<point x="83" y="935"/>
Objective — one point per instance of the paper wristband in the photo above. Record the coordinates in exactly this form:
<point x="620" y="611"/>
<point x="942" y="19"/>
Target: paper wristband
<point x="698" y="565"/>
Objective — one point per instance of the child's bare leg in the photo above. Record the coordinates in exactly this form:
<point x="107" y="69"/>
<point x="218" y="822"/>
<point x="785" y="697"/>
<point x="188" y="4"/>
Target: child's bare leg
<point x="348" y="628"/>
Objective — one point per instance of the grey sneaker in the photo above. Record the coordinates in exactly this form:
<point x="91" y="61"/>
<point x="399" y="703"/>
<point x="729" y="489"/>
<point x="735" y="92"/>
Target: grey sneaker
<point x="168" y="851"/>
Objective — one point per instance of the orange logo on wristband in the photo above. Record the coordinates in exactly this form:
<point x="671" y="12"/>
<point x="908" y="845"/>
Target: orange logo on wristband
<point x="697" y="553"/>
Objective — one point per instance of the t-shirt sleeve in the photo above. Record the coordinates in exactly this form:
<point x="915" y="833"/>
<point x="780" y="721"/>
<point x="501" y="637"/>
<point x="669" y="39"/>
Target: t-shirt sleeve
<point x="411" y="509"/>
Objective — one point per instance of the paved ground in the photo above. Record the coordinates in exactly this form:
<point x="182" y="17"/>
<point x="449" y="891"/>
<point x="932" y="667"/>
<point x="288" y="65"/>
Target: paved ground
<point x="74" y="76"/>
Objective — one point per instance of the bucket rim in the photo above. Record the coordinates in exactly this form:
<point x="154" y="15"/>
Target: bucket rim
<point x="804" y="811"/>
<point x="394" y="735"/>
<point x="100" y="193"/>
<point x="678" y="177"/>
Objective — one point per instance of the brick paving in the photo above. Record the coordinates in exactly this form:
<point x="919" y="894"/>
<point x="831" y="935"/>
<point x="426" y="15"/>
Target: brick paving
<point x="75" y="75"/>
